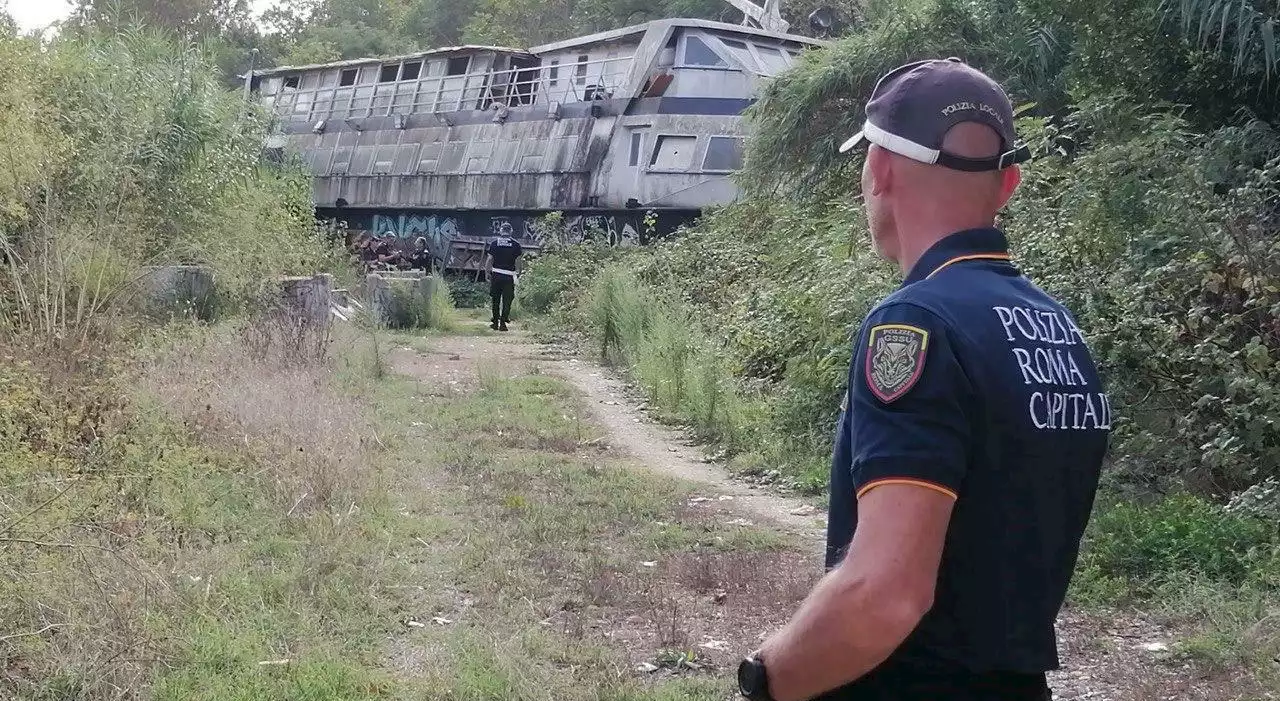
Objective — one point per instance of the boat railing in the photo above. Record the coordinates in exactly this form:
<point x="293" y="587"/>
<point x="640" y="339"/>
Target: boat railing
<point x="581" y="81"/>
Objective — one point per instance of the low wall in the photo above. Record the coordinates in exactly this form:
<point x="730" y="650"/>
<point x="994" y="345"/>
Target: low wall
<point x="309" y="297"/>
<point x="396" y="299"/>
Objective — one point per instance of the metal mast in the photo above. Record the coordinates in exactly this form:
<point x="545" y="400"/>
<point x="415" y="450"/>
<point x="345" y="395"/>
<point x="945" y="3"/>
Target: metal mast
<point x="767" y="17"/>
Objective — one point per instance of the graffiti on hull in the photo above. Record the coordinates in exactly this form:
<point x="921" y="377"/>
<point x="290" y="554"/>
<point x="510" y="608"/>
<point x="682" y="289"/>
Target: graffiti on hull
<point x="619" y="231"/>
<point x="438" y="229"/>
<point x="455" y="238"/>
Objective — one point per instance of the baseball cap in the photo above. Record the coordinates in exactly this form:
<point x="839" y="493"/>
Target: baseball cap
<point x="914" y="106"/>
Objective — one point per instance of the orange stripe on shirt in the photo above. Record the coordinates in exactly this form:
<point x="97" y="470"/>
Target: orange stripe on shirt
<point x="977" y="256"/>
<point x="915" y="483"/>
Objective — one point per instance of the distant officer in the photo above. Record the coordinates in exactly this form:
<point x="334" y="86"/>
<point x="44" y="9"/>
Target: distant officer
<point x="387" y="255"/>
<point x="502" y="261"/>
<point x="420" y="257"/>
<point x="969" y="448"/>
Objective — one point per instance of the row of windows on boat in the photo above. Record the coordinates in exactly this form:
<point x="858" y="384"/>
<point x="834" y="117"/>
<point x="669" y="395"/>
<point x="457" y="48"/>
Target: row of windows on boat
<point x="752" y="56"/>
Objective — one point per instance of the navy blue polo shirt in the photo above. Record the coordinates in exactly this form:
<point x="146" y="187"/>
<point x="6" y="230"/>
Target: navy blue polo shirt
<point x="972" y="381"/>
<point x="505" y="250"/>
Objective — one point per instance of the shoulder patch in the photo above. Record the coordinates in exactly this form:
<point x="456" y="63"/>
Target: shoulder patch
<point x="895" y="359"/>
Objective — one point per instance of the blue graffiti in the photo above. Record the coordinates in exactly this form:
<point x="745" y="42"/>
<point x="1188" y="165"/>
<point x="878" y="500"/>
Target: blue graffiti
<point x="455" y="238"/>
<point x="438" y="229"/>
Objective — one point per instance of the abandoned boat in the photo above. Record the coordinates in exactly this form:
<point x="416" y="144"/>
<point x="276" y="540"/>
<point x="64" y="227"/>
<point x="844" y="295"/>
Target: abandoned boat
<point x="628" y="133"/>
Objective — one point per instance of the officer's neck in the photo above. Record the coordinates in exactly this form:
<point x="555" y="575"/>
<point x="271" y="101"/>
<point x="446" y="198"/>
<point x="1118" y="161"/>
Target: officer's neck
<point x="916" y="238"/>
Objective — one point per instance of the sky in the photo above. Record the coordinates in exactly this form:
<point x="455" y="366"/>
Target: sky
<point x="37" y="14"/>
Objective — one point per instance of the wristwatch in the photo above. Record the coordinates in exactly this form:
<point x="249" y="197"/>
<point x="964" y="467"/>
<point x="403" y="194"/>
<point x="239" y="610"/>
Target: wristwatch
<point x="753" y="681"/>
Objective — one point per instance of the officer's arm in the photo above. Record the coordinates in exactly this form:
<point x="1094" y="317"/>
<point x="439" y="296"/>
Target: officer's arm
<point x="911" y="441"/>
<point x="864" y="608"/>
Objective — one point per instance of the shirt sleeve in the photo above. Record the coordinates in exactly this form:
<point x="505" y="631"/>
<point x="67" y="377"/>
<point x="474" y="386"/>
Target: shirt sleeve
<point x="910" y="403"/>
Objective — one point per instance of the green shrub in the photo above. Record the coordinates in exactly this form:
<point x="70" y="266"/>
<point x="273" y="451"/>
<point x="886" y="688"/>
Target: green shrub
<point x="552" y="278"/>
<point x="1148" y="545"/>
<point x="620" y="311"/>
<point x="440" y="311"/>
<point x="427" y="304"/>
<point x="128" y="152"/>
<point x="664" y="358"/>
<point x="468" y="293"/>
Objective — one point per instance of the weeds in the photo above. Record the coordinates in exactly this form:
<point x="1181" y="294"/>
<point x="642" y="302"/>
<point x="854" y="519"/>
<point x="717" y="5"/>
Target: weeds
<point x="419" y="304"/>
<point x="554" y="546"/>
<point x="619" y="311"/>
<point x="228" y="499"/>
<point x="681" y="369"/>
<point x="280" y="334"/>
<point x="1147" y="546"/>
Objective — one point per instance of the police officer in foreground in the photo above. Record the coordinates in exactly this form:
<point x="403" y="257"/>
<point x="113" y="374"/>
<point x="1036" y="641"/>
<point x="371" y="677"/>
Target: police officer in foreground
<point x="971" y="439"/>
<point x="502" y="260"/>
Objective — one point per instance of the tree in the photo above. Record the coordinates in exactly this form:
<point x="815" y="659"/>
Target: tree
<point x="1242" y="30"/>
<point x="531" y="22"/>
<point x="191" y="19"/>
<point x="436" y="22"/>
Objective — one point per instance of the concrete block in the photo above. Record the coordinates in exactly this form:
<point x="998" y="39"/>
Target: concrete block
<point x="182" y="290"/>
<point x="308" y="297"/>
<point x="398" y="300"/>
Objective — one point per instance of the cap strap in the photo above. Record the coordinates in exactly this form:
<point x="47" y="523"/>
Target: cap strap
<point x="1019" y="154"/>
<point x="898" y="144"/>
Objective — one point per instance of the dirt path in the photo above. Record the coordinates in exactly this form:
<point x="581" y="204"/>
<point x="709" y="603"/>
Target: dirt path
<point x="631" y="432"/>
<point x="1120" y="656"/>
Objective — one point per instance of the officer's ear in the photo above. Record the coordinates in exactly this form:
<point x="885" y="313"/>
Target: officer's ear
<point x="1010" y="178"/>
<point x="878" y="175"/>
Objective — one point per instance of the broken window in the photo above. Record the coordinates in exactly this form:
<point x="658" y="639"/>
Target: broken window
<point x="348" y="77"/>
<point x="637" y="146"/>
<point x="581" y="71"/>
<point x="742" y="53"/>
<point x="673" y="152"/>
<point x="697" y="53"/>
<point x="389" y="73"/>
<point x="292" y="81"/>
<point x="774" y="59"/>
<point x="458" y="65"/>
<point x="411" y="71"/>
<point x="724" y="153"/>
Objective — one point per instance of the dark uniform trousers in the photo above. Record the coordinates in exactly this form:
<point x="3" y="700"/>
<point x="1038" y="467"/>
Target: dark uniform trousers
<point x="898" y="682"/>
<point x="502" y="290"/>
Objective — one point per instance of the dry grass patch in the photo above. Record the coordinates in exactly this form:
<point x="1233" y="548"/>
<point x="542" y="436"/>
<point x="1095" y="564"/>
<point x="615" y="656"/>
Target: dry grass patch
<point x="224" y="512"/>
<point x="276" y="398"/>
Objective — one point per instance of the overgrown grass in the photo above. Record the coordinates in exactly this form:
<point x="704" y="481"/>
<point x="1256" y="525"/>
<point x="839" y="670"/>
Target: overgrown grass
<point x="687" y="376"/>
<point x="667" y="355"/>
<point x="186" y="542"/>
<point x="422" y="305"/>
<point x="542" y="541"/>
<point x="1206" y="570"/>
